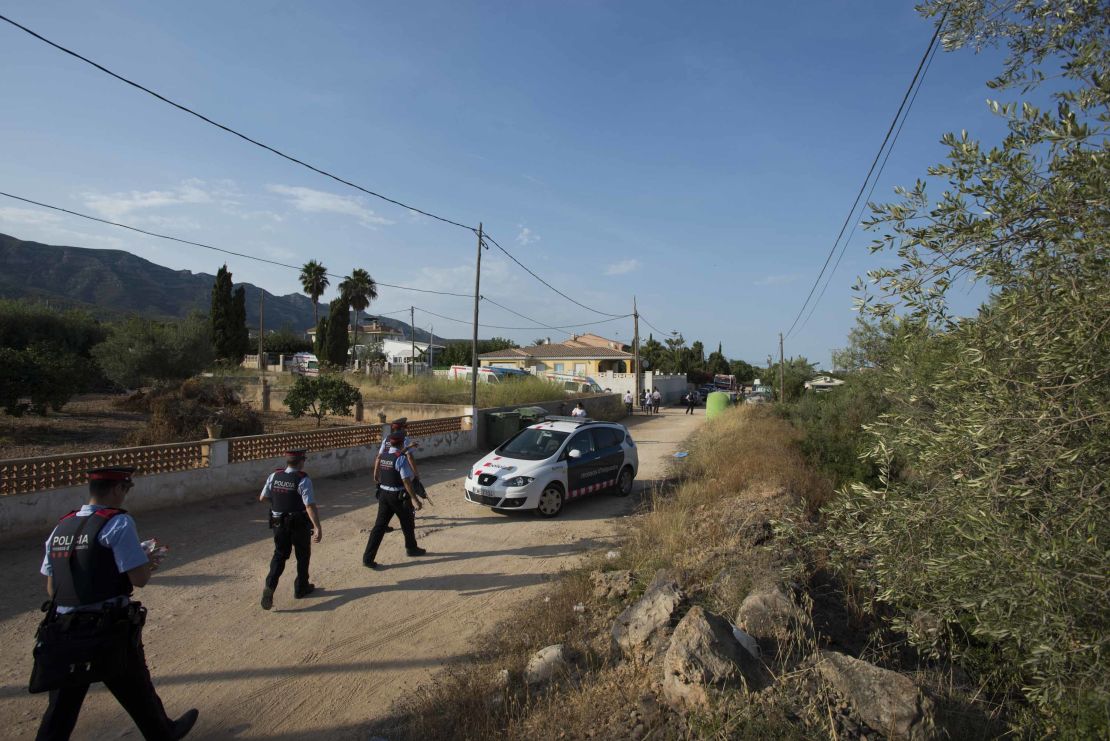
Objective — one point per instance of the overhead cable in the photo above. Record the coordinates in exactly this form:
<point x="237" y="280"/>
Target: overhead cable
<point x="210" y="247"/>
<point x="531" y="272"/>
<point x="890" y="130"/>
<point x="875" y="182"/>
<point x="232" y="131"/>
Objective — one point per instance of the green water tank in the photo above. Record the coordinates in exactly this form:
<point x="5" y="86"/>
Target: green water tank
<point x="716" y="403"/>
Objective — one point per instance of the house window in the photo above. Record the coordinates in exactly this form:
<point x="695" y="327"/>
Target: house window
<point x="558" y="367"/>
<point x="579" y="369"/>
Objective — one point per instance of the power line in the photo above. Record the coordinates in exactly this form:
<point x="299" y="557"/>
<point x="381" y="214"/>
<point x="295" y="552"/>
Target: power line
<point x="499" y="326"/>
<point x="890" y="130"/>
<point x="210" y="247"/>
<point x="290" y="158"/>
<point x="874" y="183"/>
<point x="660" y="331"/>
<point x="232" y="131"/>
<point x="541" y="280"/>
<point x="548" y="326"/>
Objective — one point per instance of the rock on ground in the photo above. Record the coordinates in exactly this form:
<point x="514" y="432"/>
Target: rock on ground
<point x="546" y="664"/>
<point x="704" y="654"/>
<point x="770" y="617"/>
<point x="641" y="631"/>
<point x="611" y="584"/>
<point x="885" y="700"/>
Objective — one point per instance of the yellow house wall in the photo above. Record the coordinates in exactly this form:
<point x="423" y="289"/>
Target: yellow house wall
<point x="593" y="367"/>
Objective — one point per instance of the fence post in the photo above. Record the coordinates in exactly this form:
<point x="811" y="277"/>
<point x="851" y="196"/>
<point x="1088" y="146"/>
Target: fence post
<point x="215" y="452"/>
<point x="358" y="410"/>
<point x="265" y="395"/>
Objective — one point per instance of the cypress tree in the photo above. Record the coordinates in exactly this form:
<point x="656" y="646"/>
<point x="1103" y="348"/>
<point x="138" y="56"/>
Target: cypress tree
<point x="320" y="342"/>
<point x="221" y="313"/>
<point x="240" y="336"/>
<point x="337" y="342"/>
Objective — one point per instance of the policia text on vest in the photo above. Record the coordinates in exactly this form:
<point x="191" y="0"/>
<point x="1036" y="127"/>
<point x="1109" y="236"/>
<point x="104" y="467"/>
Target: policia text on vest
<point x="295" y="523"/>
<point x="93" y="631"/>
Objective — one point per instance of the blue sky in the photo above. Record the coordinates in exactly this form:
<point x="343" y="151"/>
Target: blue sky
<point x="700" y="156"/>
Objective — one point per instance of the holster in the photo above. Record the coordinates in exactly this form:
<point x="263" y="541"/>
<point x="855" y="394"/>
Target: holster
<point x="79" y="648"/>
<point x="285" y="519"/>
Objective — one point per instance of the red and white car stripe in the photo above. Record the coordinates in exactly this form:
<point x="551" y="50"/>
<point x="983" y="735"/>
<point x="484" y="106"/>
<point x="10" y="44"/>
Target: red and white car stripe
<point x="591" y="488"/>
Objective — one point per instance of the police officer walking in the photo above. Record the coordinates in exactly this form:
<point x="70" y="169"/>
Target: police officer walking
<point x="295" y="522"/>
<point x="395" y="497"/>
<point x="93" y="561"/>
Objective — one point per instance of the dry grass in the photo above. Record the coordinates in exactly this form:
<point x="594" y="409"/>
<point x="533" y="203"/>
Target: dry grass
<point x="434" y="390"/>
<point x="708" y="525"/>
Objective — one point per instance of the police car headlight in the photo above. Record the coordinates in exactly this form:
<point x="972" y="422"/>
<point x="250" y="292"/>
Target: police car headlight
<point x="519" y="481"/>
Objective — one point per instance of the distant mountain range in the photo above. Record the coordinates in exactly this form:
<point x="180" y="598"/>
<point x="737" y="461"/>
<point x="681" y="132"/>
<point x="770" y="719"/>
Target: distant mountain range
<point x="112" y="283"/>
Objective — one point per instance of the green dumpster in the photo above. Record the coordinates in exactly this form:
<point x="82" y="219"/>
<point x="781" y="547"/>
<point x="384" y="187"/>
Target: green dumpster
<point x="716" y="403"/>
<point x="501" y="426"/>
<point x="531" y="415"/>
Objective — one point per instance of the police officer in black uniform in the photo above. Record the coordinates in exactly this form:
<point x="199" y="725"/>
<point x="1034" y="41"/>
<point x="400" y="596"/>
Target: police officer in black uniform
<point x="295" y="522"/>
<point x="93" y="561"/>
<point x="395" y="497"/>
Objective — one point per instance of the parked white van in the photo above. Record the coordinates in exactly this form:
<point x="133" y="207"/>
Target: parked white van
<point x="304" y="364"/>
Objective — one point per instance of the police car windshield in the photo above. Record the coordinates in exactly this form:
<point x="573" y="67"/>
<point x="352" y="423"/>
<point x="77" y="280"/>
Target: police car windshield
<point x="533" y="444"/>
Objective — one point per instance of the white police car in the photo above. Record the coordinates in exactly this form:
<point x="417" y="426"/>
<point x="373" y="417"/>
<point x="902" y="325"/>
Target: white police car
<point x="547" y="464"/>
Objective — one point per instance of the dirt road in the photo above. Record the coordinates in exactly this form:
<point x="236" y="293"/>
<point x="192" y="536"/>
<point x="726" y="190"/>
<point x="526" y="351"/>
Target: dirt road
<point x="321" y="667"/>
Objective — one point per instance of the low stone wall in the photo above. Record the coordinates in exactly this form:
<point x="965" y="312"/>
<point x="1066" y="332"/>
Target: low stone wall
<point x="213" y="476"/>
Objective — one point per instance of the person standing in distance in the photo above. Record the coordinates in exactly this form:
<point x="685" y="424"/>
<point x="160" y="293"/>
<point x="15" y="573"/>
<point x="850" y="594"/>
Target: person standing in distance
<point x="628" y="403"/>
<point x="395" y="497"/>
<point x="295" y="522"/>
<point x="691" y="401"/>
<point x="578" y="411"/>
<point x="656" y="398"/>
<point x="99" y="579"/>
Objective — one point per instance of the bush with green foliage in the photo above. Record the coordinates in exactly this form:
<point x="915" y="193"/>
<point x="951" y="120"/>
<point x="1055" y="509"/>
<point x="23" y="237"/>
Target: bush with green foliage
<point x="45" y="356"/>
<point x="142" y="352"/>
<point x="326" y="394"/>
<point x="285" y="341"/>
<point x="999" y="521"/>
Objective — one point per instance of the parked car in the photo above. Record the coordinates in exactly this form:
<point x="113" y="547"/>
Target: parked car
<point x="547" y="464"/>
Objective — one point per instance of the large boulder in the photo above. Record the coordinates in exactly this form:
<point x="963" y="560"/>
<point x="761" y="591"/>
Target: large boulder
<point x="640" y="632"/>
<point x="704" y="654"/>
<point x="611" y="584"/>
<point x="885" y="700"/>
<point x="771" y="617"/>
<point x="547" y="664"/>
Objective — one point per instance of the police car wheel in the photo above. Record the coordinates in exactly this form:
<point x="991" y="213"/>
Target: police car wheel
<point x="624" y="482"/>
<point x="551" y="501"/>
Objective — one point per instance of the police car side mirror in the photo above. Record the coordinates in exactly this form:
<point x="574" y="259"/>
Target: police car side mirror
<point x="574" y="453"/>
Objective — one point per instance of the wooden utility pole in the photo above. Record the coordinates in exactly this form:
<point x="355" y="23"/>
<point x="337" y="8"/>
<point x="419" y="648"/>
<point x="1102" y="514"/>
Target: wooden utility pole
<point x="782" y="374"/>
<point x="474" y="344"/>
<point x="261" y="355"/>
<point x="412" y="333"/>
<point x="636" y="349"/>
<point x="431" y="349"/>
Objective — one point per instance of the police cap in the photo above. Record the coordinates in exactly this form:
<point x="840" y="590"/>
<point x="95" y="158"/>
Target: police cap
<point x="296" y="455"/>
<point x="111" y="473"/>
<point x="397" y="437"/>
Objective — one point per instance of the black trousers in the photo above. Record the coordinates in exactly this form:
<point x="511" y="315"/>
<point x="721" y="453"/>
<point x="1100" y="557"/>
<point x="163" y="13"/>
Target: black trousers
<point x="690" y="406"/>
<point x="295" y="535"/>
<point x="132" y="688"/>
<point x="391" y="503"/>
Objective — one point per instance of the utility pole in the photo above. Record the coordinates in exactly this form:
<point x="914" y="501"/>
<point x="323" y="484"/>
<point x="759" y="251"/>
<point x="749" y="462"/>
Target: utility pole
<point x="431" y="349"/>
<point x="412" y="333"/>
<point x="474" y="345"/>
<point x="636" y="349"/>
<point x="261" y="355"/>
<point x="782" y="375"/>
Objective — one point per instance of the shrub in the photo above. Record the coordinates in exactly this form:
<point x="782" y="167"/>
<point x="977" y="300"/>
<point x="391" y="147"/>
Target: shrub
<point x="320" y="396"/>
<point x="141" y="352"/>
<point x="179" y="412"/>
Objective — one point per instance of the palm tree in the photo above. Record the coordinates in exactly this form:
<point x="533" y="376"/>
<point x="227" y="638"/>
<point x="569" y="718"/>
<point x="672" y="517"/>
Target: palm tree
<point x="314" y="281"/>
<point x="359" y="289"/>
